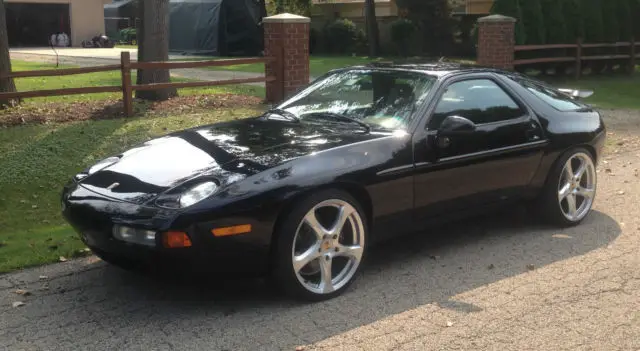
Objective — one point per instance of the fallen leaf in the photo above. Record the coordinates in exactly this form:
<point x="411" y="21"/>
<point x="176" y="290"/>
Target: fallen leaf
<point x="607" y="170"/>
<point x="34" y="206"/>
<point x="491" y="266"/>
<point x="449" y="324"/>
<point x="300" y="348"/>
<point x="42" y="277"/>
<point x="531" y="267"/>
<point x="17" y="304"/>
<point x="621" y="192"/>
<point x="44" y="287"/>
<point x="63" y="259"/>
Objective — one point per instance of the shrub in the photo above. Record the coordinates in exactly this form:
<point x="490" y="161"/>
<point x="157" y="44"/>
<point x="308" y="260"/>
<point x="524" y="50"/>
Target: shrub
<point x="533" y="20"/>
<point x="341" y="36"/>
<point x="128" y="34"/>
<point x="511" y="8"/>
<point x="402" y="34"/>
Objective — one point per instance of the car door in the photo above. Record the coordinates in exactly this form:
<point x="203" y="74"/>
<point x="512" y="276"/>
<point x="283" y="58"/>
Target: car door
<point x="479" y="144"/>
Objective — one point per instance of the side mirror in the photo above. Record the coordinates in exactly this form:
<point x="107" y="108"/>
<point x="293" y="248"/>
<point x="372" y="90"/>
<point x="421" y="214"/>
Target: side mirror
<point x="456" y="125"/>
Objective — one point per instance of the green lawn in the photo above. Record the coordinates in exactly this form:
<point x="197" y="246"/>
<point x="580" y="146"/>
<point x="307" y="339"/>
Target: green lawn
<point x="618" y="91"/>
<point x="36" y="160"/>
<point x="318" y="65"/>
<point x="103" y="78"/>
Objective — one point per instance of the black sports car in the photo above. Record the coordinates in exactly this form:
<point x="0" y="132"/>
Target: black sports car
<point x="361" y="154"/>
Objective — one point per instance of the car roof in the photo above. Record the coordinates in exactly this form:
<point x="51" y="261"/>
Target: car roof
<point x="434" y="68"/>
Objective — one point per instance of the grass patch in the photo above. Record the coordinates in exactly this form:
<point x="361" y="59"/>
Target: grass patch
<point x="104" y="79"/>
<point x="318" y="65"/>
<point x="36" y="160"/>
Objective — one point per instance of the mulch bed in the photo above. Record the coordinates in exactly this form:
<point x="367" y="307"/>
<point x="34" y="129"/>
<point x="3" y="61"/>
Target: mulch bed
<point x="60" y="112"/>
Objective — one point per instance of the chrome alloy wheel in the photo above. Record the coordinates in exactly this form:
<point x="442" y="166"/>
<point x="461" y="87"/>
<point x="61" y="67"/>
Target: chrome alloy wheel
<point x="577" y="187"/>
<point x="328" y="246"/>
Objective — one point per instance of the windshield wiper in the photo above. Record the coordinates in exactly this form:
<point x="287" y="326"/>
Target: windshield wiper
<point x="340" y="117"/>
<point x="284" y="113"/>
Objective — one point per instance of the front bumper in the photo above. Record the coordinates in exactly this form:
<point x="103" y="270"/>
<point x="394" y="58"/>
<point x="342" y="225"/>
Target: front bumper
<point x="93" y="216"/>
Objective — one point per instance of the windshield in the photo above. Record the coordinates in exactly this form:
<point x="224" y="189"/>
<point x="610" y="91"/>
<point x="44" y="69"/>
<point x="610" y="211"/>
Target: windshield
<point x="381" y="99"/>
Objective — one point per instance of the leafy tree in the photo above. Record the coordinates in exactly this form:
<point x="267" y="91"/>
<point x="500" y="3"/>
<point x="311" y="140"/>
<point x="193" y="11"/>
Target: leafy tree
<point x="533" y="21"/>
<point x="511" y="8"/>
<point x="433" y="18"/>
<point x="153" y="45"/>
<point x="6" y="85"/>
<point x="634" y="5"/>
<point x="625" y="20"/>
<point x="610" y="21"/>
<point x="593" y="21"/>
<point x="300" y="7"/>
<point x="572" y="13"/>
<point x="555" y="22"/>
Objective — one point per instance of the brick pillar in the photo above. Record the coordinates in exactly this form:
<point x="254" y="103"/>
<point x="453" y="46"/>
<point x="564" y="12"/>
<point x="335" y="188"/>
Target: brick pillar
<point x="496" y="41"/>
<point x="286" y="38"/>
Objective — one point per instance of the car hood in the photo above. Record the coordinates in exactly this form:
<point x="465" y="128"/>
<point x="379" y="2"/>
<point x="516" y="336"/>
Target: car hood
<point x="235" y="149"/>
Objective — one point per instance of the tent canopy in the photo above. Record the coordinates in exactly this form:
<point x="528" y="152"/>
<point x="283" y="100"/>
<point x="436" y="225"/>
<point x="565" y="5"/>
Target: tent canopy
<point x="207" y="27"/>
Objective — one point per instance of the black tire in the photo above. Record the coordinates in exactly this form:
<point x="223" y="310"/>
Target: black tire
<point x="283" y="272"/>
<point x="548" y="204"/>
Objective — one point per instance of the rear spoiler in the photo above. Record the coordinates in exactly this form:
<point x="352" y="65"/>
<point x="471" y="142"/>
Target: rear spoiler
<point x="577" y="94"/>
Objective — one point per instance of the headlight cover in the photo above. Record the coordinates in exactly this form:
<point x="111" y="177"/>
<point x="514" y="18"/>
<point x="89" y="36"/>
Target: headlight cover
<point x="197" y="193"/>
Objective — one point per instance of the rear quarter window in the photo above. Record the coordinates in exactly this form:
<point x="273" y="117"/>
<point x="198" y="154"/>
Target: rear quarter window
<point x="551" y="96"/>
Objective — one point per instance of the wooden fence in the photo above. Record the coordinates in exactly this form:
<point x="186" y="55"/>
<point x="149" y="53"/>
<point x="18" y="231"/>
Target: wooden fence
<point x="632" y="54"/>
<point x="127" y="87"/>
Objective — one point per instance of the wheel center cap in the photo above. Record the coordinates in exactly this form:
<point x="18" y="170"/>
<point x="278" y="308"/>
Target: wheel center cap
<point x="326" y="245"/>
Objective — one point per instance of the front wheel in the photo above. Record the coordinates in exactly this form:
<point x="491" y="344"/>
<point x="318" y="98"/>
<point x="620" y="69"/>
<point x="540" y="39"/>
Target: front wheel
<point x="571" y="188"/>
<point x="321" y="246"/>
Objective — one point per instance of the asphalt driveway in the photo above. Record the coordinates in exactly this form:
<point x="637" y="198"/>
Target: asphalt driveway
<point x="503" y="282"/>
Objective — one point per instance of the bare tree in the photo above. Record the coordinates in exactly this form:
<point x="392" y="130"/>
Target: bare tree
<point x="6" y="84"/>
<point x="373" y="34"/>
<point x="153" y="45"/>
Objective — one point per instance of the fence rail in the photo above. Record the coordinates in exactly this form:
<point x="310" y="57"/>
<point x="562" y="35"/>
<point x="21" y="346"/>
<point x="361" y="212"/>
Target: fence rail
<point x="632" y="56"/>
<point x="127" y="87"/>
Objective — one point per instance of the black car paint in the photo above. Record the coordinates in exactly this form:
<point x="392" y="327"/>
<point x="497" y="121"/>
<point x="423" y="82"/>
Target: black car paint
<point x="403" y="179"/>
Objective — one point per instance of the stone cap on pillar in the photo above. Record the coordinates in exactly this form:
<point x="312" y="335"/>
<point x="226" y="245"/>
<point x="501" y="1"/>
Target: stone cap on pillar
<point x="497" y="18"/>
<point x="286" y="18"/>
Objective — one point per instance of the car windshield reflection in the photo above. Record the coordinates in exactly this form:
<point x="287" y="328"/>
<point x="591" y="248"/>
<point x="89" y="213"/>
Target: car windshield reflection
<point x="380" y="99"/>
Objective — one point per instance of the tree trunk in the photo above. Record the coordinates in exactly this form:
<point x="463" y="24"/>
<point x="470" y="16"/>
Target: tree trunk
<point x="6" y="84"/>
<point x="373" y="35"/>
<point x="153" y="45"/>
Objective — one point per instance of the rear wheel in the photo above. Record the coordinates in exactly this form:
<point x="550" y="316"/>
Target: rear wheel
<point x="571" y="188"/>
<point x="321" y="246"/>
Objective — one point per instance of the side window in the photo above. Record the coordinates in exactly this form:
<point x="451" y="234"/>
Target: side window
<point x="479" y="100"/>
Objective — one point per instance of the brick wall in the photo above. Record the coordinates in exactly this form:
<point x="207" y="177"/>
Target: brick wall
<point x="286" y="40"/>
<point x="496" y="41"/>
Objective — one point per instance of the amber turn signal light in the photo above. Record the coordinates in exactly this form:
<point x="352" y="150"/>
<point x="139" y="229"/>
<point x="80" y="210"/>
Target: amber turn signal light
<point x="174" y="240"/>
<point x="236" y="229"/>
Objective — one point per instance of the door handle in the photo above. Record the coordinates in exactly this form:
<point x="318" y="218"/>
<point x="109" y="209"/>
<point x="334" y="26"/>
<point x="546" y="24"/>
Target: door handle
<point x="443" y="142"/>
